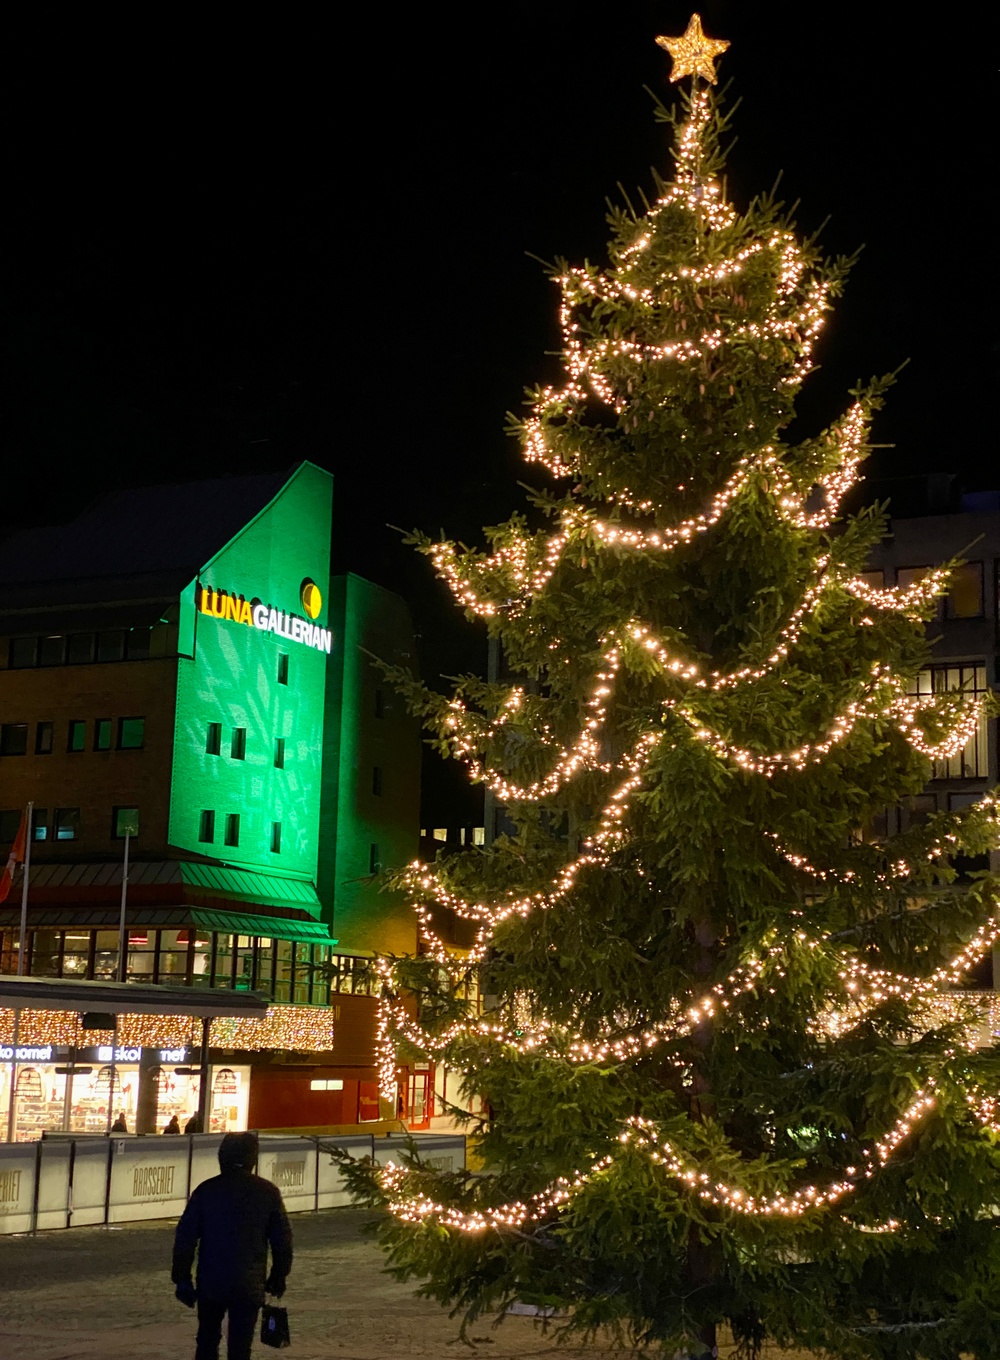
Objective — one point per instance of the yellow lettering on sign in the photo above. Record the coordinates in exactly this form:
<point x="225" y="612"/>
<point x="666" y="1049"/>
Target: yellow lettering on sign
<point x="232" y="608"/>
<point x="245" y="615"/>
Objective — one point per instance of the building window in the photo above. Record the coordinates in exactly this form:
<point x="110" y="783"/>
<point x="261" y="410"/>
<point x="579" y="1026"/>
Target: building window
<point x="282" y="668"/>
<point x="137" y="643"/>
<point x="965" y="594"/>
<point x="911" y="576"/>
<point x="111" y="645"/>
<point x="66" y="824"/>
<point x="238" y="748"/>
<point x="124" y="819"/>
<point x="213" y="739"/>
<point x="279" y="753"/>
<point x="275" y="838"/>
<point x="377" y="780"/>
<point x="102" y="734"/>
<point x="232" y="828"/>
<point x="379" y="702"/>
<point x="22" y="652"/>
<point x="40" y="824"/>
<point x="131" y="733"/>
<point x="972" y="761"/>
<point x="81" y="648"/>
<point x="44" y="732"/>
<point x="76" y="739"/>
<point x="206" y="827"/>
<point x="52" y="650"/>
<point x="13" y="739"/>
<point x="374" y="864"/>
<point x="10" y="823"/>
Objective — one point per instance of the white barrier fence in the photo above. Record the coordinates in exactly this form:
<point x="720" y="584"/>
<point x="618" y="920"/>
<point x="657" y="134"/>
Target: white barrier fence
<point x="67" y="1182"/>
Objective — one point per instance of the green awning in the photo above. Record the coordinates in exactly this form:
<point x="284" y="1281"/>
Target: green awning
<point x="266" y="890"/>
<point x="273" y="927"/>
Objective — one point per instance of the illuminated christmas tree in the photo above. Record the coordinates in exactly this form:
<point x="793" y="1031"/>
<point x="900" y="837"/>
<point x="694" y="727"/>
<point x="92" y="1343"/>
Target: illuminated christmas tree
<point x="732" y="1078"/>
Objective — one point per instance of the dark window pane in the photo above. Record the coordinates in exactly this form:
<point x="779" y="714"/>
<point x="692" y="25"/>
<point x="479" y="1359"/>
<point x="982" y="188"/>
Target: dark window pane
<point x="67" y="824"/>
<point x="124" y="819"/>
<point x="44" y="732"/>
<point x="81" y="648"/>
<point x="238" y="749"/>
<point x="232" y="828"/>
<point x="40" y="824"/>
<point x="22" y="652"/>
<point x="13" y="739"/>
<point x="206" y="827"/>
<point x="279" y="753"/>
<point x="282" y="668"/>
<point x="77" y="738"/>
<point x="10" y="821"/>
<point x="374" y="865"/>
<point x="102" y="734"/>
<point x="131" y="733"/>
<point x="275" y="838"/>
<point x="137" y="644"/>
<point x="51" y="650"/>
<point x="111" y="645"/>
<point x="213" y="739"/>
<point x="965" y="595"/>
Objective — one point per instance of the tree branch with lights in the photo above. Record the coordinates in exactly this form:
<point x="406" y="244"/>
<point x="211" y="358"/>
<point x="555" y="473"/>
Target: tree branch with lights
<point x="732" y="1074"/>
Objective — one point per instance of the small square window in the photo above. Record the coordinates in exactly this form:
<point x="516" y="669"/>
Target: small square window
<point x="275" y="838"/>
<point x="124" y="820"/>
<point x="40" y="824"/>
<point x="238" y="747"/>
<point x="44" y="734"/>
<point x="282" y="668"/>
<point x="232" y="828"/>
<point x="213" y="739"/>
<point x="206" y="827"/>
<point x="22" y="652"/>
<point x="377" y="780"/>
<point x="374" y="863"/>
<point x="279" y="753"/>
<point x="111" y="645"/>
<point x="77" y="737"/>
<point x="52" y="650"/>
<point x="10" y="824"/>
<point x="379" y="702"/>
<point x="102" y="734"/>
<point x="66" y="823"/>
<point x="13" y="739"/>
<point x="131" y="733"/>
<point x="81" y="648"/>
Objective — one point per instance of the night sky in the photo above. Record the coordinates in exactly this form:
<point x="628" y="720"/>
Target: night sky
<point x="233" y="248"/>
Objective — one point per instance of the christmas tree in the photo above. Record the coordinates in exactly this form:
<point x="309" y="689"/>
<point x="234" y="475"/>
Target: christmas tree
<point x="730" y="1075"/>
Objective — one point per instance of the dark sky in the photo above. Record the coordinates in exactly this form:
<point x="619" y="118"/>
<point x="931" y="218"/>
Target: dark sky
<point x="306" y="237"/>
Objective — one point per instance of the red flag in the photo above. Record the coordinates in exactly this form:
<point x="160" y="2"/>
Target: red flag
<point x="16" y="856"/>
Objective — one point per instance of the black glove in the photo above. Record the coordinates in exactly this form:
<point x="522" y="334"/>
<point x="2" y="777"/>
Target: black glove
<point x="274" y="1284"/>
<point x="186" y="1293"/>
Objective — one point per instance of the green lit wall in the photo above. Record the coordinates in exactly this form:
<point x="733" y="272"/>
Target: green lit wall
<point x="368" y="728"/>
<point x="231" y="677"/>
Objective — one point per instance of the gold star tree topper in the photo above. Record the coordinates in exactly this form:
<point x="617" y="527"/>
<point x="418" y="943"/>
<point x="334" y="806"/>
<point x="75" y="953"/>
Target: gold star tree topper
<point x="692" y="53"/>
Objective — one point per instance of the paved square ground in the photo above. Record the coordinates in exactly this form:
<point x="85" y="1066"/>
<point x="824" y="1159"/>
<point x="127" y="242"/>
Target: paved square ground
<point x="105" y="1294"/>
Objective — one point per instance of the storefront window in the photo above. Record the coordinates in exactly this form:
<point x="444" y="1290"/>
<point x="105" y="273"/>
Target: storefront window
<point x="283" y="970"/>
<point x="228" y="1107"/>
<point x="46" y="951"/>
<point x="244" y="963"/>
<point x="173" y="955"/>
<point x="141" y="952"/>
<point x="76" y="953"/>
<point x="106" y="953"/>
<point x="265" y="966"/>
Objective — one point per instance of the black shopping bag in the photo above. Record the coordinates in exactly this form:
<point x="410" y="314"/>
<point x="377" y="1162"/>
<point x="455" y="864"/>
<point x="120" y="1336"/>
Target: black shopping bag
<point x="274" y="1326"/>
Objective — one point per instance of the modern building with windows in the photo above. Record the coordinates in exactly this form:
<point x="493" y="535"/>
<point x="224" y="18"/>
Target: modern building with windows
<point x="965" y="649"/>
<point x="181" y="676"/>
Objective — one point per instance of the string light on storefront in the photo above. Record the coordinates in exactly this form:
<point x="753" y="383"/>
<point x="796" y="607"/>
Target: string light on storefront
<point x="304" y="1029"/>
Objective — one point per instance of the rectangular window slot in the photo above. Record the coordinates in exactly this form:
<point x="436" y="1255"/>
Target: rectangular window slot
<point x="213" y="739"/>
<point x="131" y="734"/>
<point x="13" y="739"/>
<point x="52" y="650"/>
<point x="40" y="824"/>
<point x="326" y="1084"/>
<point x="102" y="734"/>
<point x="66" y="824"/>
<point x="282" y="668"/>
<point x="44" y="734"/>
<point x="124" y="819"/>
<point x="77" y="738"/>
<point x="374" y="864"/>
<point x="275" y="838"/>
<point x="206" y="827"/>
<point x="238" y="746"/>
<point x="279" y="753"/>
<point x="232" y="828"/>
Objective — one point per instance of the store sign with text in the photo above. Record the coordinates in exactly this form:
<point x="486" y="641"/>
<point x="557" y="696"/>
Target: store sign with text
<point x="266" y="618"/>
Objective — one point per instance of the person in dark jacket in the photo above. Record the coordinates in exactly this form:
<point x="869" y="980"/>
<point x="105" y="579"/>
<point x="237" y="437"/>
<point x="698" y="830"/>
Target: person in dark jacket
<point x="232" y="1219"/>
<point x="172" y="1125"/>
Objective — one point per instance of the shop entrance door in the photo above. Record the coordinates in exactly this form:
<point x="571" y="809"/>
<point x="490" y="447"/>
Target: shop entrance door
<point x="420" y="1105"/>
